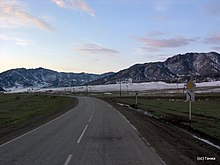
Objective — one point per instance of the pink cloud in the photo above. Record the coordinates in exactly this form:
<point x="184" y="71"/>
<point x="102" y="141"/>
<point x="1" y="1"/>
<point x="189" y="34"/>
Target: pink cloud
<point x="154" y="44"/>
<point x="75" y="4"/>
<point x="214" y="39"/>
<point x="13" y="15"/>
<point x="160" y="43"/>
<point x="94" y="48"/>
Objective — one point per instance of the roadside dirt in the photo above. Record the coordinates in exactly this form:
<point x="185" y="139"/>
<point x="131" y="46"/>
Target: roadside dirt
<point x="11" y="132"/>
<point x="171" y="143"/>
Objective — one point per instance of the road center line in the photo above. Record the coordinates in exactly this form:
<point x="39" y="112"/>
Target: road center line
<point x="68" y="160"/>
<point x="91" y="117"/>
<point x="78" y="141"/>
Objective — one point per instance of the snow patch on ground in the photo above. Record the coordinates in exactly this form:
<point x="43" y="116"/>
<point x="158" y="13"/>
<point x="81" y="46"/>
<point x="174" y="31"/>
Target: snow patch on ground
<point x="131" y="87"/>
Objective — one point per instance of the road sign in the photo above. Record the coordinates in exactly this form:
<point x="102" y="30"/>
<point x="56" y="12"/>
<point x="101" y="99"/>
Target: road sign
<point x="190" y="95"/>
<point x="191" y="85"/>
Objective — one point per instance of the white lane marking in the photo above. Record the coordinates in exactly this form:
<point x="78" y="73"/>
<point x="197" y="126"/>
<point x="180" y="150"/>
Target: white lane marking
<point x="93" y="111"/>
<point x="68" y="160"/>
<point x="90" y="118"/>
<point x="78" y="141"/>
<point x="36" y="128"/>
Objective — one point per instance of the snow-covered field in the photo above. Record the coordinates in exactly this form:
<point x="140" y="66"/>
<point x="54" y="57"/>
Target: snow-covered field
<point x="131" y="87"/>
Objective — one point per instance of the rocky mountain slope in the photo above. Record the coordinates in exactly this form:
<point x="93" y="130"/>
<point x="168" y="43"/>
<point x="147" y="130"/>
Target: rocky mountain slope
<point x="41" y="77"/>
<point x="179" y="68"/>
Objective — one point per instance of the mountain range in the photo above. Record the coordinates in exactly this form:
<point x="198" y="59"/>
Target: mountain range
<point x="41" y="77"/>
<point x="179" y="68"/>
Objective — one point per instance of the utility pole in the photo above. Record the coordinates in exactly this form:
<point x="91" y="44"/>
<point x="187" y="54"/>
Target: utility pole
<point x="120" y="87"/>
<point x="87" y="90"/>
<point x="71" y="86"/>
<point x="178" y="89"/>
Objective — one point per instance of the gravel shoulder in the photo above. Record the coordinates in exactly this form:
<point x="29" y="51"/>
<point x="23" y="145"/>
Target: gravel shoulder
<point x="172" y="144"/>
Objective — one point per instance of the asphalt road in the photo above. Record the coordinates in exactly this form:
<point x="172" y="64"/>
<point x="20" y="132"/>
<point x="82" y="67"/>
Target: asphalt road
<point x="93" y="133"/>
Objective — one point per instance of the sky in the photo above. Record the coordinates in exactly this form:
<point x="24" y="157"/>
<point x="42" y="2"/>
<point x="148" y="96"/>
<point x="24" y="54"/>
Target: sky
<point x="98" y="36"/>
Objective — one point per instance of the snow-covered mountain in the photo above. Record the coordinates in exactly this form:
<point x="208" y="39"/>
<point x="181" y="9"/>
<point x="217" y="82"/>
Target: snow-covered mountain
<point x="199" y="66"/>
<point x="179" y="68"/>
<point x="41" y="77"/>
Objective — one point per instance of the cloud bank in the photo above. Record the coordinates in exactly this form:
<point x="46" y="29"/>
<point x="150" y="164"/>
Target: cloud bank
<point x="154" y="44"/>
<point x="93" y="48"/>
<point x="13" y="15"/>
<point x="75" y="4"/>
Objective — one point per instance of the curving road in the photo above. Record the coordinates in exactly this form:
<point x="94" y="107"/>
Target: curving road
<point x="93" y="133"/>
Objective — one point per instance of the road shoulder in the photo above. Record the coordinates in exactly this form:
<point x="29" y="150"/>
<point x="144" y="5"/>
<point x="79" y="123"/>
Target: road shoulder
<point x="172" y="144"/>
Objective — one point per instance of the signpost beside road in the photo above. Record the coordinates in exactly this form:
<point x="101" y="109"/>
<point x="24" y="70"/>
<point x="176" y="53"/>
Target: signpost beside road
<point x="190" y="96"/>
<point x="191" y="85"/>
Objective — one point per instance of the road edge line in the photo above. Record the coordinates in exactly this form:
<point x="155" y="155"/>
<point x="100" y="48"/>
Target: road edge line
<point x="138" y="133"/>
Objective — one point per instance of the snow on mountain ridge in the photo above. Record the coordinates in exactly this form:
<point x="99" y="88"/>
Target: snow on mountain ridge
<point x="181" y="67"/>
<point x="42" y="77"/>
